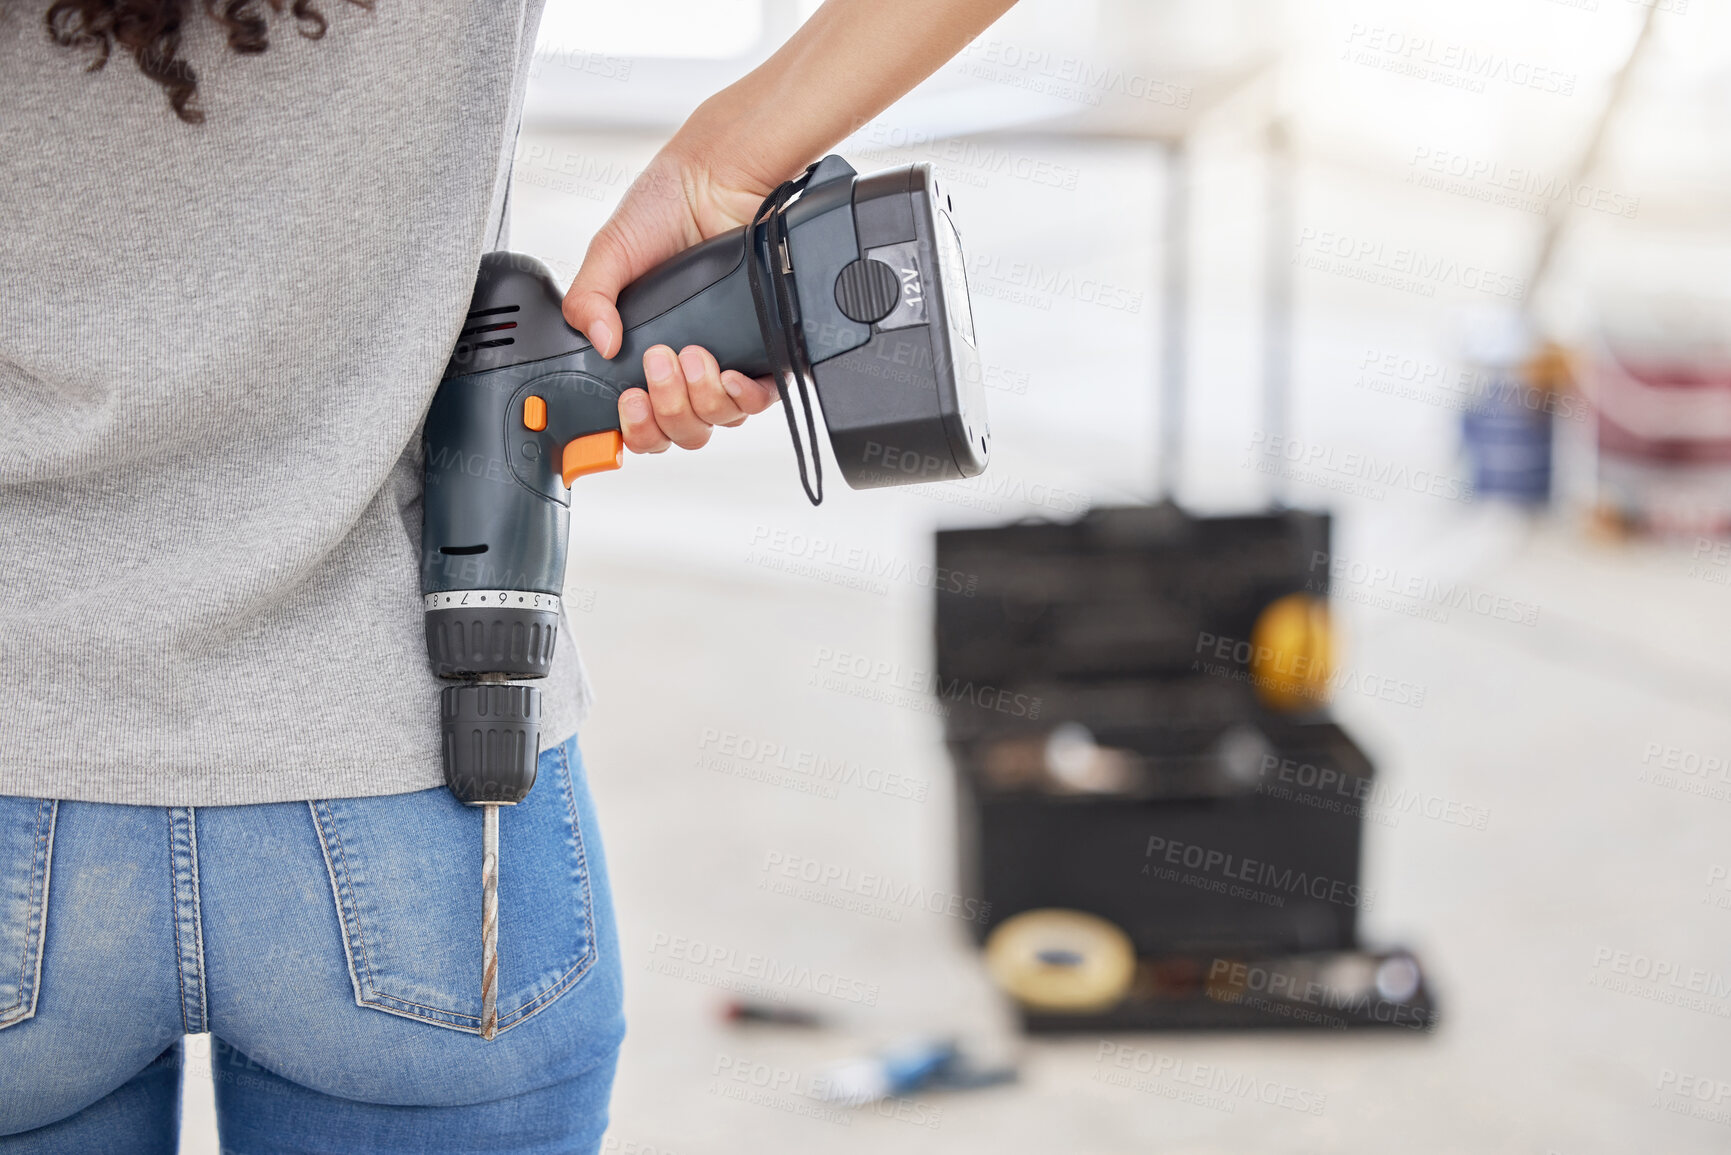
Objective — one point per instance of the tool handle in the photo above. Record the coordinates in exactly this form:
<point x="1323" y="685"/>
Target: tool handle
<point x="701" y="296"/>
<point x="527" y="406"/>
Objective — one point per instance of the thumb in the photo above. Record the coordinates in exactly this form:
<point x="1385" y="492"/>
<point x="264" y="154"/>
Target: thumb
<point x="590" y="301"/>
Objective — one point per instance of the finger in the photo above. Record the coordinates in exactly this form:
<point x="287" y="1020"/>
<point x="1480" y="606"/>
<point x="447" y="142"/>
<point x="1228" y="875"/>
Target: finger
<point x="637" y="423"/>
<point x="671" y="400"/>
<point x="709" y="399"/>
<point x="751" y="394"/>
<point x="589" y="302"/>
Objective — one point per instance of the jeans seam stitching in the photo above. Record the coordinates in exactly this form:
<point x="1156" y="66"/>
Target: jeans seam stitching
<point x="174" y="916"/>
<point x="197" y="919"/>
<point x="329" y="822"/>
<point x="337" y="899"/>
<point x="590" y="955"/>
<point x="39" y="868"/>
<point x="582" y="859"/>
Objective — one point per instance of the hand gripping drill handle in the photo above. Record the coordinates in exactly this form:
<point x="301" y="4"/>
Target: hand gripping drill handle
<point x="526" y="408"/>
<point x="852" y="286"/>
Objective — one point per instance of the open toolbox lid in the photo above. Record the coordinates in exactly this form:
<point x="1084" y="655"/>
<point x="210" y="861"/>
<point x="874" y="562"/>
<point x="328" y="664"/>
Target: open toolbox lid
<point x="1121" y="594"/>
<point x="1087" y="657"/>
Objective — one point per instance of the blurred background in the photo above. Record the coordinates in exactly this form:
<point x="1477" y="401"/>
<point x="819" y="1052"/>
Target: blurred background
<point x="1346" y="710"/>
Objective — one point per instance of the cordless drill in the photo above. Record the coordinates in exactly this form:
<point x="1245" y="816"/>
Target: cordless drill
<point x="852" y="287"/>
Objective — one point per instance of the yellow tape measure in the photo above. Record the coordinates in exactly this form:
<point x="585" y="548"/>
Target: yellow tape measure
<point x="1292" y="654"/>
<point x="1061" y="960"/>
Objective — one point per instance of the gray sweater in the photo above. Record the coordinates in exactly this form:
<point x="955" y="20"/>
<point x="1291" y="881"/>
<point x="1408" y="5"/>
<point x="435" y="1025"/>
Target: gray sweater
<point x="217" y="343"/>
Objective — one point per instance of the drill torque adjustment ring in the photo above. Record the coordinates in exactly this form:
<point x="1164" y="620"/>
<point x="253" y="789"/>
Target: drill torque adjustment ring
<point x="476" y="632"/>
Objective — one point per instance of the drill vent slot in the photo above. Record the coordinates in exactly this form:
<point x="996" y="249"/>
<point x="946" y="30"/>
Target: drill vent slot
<point x="474" y="330"/>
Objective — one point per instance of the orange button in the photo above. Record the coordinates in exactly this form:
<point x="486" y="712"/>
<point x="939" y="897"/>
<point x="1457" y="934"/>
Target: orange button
<point x="593" y="453"/>
<point x="534" y="413"/>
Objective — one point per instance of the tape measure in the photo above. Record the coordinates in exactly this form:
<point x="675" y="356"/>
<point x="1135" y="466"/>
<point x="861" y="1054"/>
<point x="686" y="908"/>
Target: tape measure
<point x="1061" y="960"/>
<point x="1292" y="655"/>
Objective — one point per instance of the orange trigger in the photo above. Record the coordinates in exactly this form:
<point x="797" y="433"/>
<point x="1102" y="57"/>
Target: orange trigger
<point x="593" y="453"/>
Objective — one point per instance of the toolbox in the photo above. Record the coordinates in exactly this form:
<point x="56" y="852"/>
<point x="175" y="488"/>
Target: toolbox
<point x="1140" y="777"/>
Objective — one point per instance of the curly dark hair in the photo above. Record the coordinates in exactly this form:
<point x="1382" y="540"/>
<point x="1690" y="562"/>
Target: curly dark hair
<point x="150" y="30"/>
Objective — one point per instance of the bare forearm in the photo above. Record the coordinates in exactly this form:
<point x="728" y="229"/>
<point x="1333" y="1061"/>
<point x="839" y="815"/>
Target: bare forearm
<point x="849" y="62"/>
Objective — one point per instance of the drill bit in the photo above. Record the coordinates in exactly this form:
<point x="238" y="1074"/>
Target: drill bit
<point x="490" y="922"/>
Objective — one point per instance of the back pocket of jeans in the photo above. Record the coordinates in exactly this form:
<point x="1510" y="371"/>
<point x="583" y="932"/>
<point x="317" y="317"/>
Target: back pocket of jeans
<point x="26" y="852"/>
<point x="406" y="874"/>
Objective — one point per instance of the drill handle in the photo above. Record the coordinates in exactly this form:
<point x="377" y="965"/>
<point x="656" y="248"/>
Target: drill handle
<point x="701" y="296"/>
<point x="528" y="406"/>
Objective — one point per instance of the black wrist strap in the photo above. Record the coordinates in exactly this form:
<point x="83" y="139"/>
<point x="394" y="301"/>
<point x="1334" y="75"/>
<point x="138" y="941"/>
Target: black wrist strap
<point x="772" y="291"/>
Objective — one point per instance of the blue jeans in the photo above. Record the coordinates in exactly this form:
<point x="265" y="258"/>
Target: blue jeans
<point x="333" y="951"/>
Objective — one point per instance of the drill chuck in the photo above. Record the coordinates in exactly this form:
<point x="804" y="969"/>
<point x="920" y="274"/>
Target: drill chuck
<point x="491" y="734"/>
